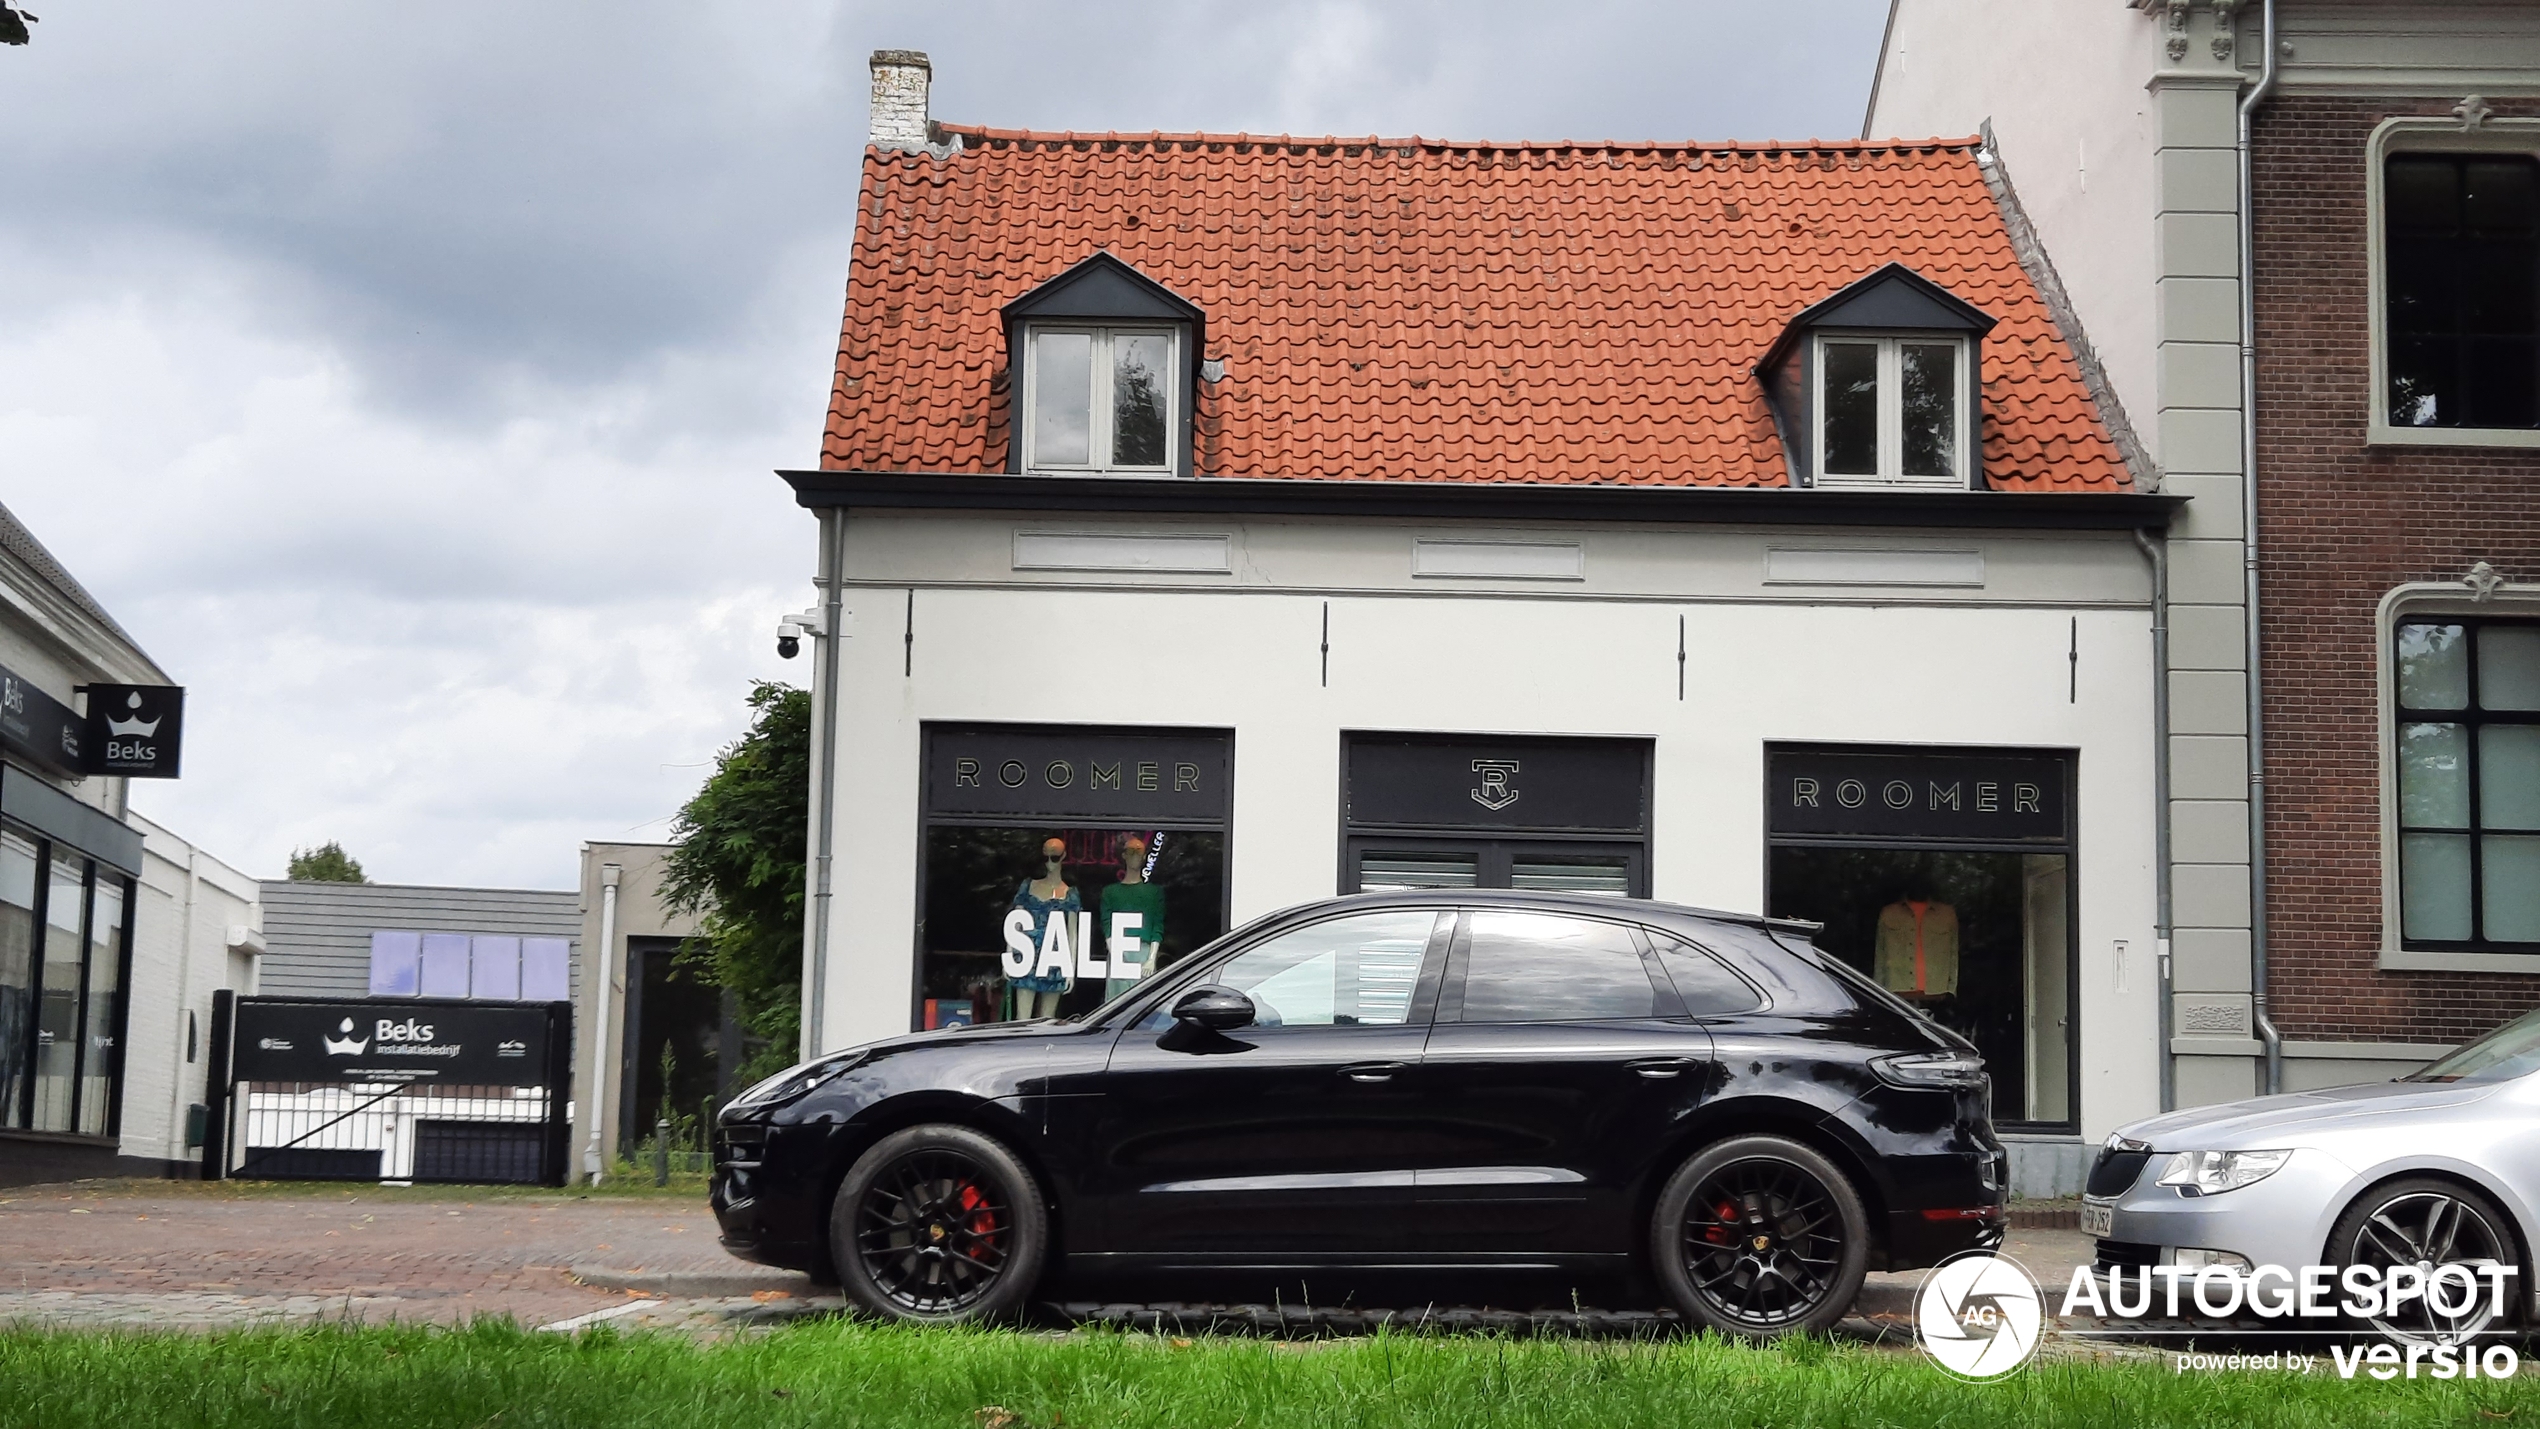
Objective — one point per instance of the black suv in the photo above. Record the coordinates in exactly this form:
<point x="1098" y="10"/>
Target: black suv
<point x="1422" y="1085"/>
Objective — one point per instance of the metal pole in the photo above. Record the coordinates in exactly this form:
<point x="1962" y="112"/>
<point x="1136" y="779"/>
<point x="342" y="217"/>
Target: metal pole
<point x="2158" y="553"/>
<point x="594" y="1163"/>
<point x="824" y="733"/>
<point x="2268" y="1037"/>
<point x="216" y="1088"/>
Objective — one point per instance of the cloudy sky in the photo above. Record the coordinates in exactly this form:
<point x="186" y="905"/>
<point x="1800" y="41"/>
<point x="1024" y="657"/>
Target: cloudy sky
<point x="408" y="379"/>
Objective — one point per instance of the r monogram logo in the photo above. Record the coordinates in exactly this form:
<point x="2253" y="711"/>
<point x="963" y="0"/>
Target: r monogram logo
<point x="1494" y="793"/>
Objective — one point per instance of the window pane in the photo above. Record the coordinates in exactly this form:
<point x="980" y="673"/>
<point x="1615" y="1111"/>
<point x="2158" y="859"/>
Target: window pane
<point x="1535" y="967"/>
<point x="1609" y="877"/>
<point x="1062" y="398"/>
<point x="1851" y="395"/>
<point x="2433" y="667"/>
<point x="1389" y="872"/>
<point x="57" y="1021"/>
<point x="1347" y="972"/>
<point x="2509" y="667"/>
<point x="2434" y="887"/>
<point x="2462" y="284"/>
<point x="105" y="998"/>
<point x="2434" y="776"/>
<point x="17" y="971"/>
<point x="2509" y="776"/>
<point x="1707" y="988"/>
<point x="1138" y="377"/>
<point x="1929" y="377"/>
<point x="2509" y="888"/>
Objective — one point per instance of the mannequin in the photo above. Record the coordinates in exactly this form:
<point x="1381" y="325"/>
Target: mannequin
<point x="1135" y="897"/>
<point x="1917" y="957"/>
<point x="1042" y="896"/>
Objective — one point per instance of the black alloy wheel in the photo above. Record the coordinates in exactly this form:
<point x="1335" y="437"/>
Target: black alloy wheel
<point x="938" y="1224"/>
<point x="1760" y="1236"/>
<point x="2430" y="1224"/>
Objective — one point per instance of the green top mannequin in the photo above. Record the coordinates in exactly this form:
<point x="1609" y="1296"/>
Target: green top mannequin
<point x="1132" y="894"/>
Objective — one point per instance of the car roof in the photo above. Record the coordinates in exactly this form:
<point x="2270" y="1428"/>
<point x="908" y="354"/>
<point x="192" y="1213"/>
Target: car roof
<point x="1544" y="900"/>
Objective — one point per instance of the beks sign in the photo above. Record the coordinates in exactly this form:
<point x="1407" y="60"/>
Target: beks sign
<point x="136" y="731"/>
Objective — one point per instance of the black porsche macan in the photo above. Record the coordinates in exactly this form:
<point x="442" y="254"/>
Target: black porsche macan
<point x="1388" y="1094"/>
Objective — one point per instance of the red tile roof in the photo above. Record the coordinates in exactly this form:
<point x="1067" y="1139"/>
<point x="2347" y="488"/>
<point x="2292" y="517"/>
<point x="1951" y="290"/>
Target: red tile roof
<point x="1411" y="310"/>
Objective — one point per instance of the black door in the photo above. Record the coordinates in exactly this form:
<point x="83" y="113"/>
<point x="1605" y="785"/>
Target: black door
<point x="1559" y="1061"/>
<point x="1288" y="1140"/>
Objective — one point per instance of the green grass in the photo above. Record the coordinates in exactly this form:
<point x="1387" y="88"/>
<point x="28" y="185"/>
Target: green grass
<point x="836" y="1373"/>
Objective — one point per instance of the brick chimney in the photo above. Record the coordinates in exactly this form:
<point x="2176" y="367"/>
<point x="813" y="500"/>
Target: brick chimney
<point x="900" y="81"/>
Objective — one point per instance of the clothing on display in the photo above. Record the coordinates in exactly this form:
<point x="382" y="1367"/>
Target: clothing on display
<point x="1067" y="905"/>
<point x="1146" y="902"/>
<point x="1917" y="949"/>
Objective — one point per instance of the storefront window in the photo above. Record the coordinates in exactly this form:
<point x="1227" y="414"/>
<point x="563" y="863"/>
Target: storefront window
<point x="57" y="1015"/>
<point x="1063" y="865"/>
<point x="1561" y="815"/>
<point x="102" y="1014"/>
<point x="17" y="974"/>
<point x="1948" y="878"/>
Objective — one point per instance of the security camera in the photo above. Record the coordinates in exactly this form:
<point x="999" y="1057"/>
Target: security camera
<point x="791" y="630"/>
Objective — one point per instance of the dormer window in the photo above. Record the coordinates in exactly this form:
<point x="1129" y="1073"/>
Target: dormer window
<point x="1891" y="410"/>
<point x="1105" y="372"/>
<point x="1876" y="387"/>
<point x="1099" y="399"/>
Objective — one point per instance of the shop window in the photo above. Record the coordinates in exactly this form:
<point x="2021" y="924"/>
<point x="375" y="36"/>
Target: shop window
<point x="101" y="1013"/>
<point x="2468" y="761"/>
<point x="18" y="864"/>
<point x="1358" y="971"/>
<point x="1462" y="811"/>
<point x="1538" y="967"/>
<point x="1948" y="879"/>
<point x="2461" y="288"/>
<point x="57" y="1020"/>
<point x="1064" y="865"/>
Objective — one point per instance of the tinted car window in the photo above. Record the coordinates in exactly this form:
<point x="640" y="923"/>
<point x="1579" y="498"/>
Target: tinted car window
<point x="1540" y="967"/>
<point x="1357" y="971"/>
<point x="1705" y="984"/>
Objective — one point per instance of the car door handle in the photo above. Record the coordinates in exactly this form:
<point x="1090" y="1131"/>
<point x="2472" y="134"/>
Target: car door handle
<point x="1656" y="1067"/>
<point x="1372" y="1071"/>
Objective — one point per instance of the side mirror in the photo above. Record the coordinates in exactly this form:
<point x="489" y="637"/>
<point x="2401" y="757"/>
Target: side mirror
<point x="1219" y="1009"/>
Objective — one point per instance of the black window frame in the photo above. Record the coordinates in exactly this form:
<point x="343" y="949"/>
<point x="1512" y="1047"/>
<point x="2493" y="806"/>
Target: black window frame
<point x="2472" y="719"/>
<point x="2458" y="334"/>
<point x="20" y="1119"/>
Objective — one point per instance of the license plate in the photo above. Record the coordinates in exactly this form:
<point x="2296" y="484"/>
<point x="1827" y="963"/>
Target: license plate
<point x="2098" y="1218"/>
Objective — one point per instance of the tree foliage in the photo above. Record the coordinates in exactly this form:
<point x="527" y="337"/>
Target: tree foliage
<point x="737" y="863"/>
<point x="327" y="863"/>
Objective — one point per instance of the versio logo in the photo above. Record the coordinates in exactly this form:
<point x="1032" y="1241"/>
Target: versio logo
<point x="1979" y="1315"/>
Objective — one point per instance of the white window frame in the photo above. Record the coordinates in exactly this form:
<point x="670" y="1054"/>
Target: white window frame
<point x="2421" y="600"/>
<point x="1891" y="420"/>
<point x="2425" y="135"/>
<point x="1098" y="421"/>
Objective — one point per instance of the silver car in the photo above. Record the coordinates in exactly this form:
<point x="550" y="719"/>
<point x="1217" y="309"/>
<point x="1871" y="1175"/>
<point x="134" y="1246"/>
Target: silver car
<point x="2438" y="1168"/>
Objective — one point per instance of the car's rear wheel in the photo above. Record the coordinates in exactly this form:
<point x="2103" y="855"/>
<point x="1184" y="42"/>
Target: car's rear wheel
<point x="2430" y="1224"/>
<point x="1760" y="1235"/>
<point x="938" y="1224"/>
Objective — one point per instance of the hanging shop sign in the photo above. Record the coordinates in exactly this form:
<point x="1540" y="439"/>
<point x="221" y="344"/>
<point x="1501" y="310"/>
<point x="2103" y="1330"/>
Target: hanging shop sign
<point x="391" y="1040"/>
<point x="1156" y="778"/>
<point x="136" y="731"/>
<point x="1484" y="783"/>
<point x="1946" y="796"/>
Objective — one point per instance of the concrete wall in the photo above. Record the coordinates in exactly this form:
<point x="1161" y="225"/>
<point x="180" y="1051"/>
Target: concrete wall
<point x="194" y="933"/>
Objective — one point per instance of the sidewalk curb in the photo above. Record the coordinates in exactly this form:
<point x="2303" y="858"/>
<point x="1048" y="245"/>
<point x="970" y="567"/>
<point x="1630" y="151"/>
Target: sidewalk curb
<point x="696" y="1284"/>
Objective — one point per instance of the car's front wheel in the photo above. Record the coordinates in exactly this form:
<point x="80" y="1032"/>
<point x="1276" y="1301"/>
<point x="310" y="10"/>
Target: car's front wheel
<point x="2432" y="1225"/>
<point x="938" y="1224"/>
<point x="1760" y="1235"/>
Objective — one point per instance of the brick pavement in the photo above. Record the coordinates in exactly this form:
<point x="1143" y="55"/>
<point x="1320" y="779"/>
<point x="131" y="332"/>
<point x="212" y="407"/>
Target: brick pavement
<point x="193" y="1255"/>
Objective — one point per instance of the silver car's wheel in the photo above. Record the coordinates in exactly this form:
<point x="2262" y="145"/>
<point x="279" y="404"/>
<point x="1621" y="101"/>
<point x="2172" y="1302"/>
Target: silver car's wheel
<point x="2430" y="1224"/>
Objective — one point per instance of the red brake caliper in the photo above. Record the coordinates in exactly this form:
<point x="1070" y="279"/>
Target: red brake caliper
<point x="983" y="1222"/>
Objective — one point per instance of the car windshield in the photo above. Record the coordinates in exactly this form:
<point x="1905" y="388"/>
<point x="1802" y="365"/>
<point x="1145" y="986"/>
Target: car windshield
<point x="2507" y="1052"/>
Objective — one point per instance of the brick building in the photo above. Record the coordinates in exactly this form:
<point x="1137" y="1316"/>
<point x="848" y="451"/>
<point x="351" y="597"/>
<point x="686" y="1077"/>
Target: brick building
<point x="2389" y="244"/>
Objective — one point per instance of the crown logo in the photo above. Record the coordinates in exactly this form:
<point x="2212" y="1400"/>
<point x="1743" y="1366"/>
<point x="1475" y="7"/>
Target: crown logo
<point x="348" y="1045"/>
<point x="134" y="723"/>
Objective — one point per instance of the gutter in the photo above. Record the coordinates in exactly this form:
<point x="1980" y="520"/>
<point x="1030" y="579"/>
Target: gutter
<point x="2158" y="553"/>
<point x="824" y="733"/>
<point x="2267" y="1034"/>
<point x="594" y="1163"/>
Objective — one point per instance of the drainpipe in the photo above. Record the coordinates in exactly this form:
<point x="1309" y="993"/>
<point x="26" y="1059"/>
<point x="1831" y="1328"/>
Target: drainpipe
<point x="2157" y="552"/>
<point x="592" y="1160"/>
<point x="824" y="733"/>
<point x="2267" y="1035"/>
